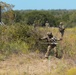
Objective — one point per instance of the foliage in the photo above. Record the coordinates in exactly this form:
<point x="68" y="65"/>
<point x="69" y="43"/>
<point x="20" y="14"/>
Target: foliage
<point x="72" y="71"/>
<point x="10" y="16"/>
<point x="23" y="38"/>
<point x="41" y="16"/>
<point x="7" y="13"/>
<point x="17" y="39"/>
<point x="12" y="39"/>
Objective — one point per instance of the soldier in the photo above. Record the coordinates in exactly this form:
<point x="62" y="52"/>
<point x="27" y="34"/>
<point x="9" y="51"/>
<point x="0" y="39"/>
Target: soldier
<point x="35" y="24"/>
<point x="47" y="24"/>
<point x="52" y="43"/>
<point x="61" y="29"/>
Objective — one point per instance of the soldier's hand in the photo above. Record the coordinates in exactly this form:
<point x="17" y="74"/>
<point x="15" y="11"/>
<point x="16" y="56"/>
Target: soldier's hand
<point x="61" y="39"/>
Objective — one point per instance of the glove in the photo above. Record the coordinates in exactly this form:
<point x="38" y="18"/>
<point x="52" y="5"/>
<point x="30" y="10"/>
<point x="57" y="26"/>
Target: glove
<point x="61" y="39"/>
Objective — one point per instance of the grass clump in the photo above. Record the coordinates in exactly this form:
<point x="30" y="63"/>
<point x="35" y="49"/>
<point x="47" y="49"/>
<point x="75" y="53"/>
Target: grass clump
<point x="72" y="71"/>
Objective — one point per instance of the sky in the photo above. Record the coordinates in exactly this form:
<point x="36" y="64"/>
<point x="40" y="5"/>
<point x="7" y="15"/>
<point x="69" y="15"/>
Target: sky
<point x="42" y="4"/>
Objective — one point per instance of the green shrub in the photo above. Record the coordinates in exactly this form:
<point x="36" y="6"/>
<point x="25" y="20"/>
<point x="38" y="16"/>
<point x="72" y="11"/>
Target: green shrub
<point x="24" y="38"/>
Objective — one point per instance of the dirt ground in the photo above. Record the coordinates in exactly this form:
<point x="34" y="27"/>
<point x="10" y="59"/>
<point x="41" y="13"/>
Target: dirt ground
<point x="34" y="64"/>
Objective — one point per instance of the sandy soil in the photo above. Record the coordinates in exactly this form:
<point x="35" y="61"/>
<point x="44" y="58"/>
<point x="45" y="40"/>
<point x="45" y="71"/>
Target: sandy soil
<point x="33" y="64"/>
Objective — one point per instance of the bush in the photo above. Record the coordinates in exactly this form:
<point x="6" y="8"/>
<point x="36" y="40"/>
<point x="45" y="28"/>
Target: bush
<point x="23" y="38"/>
<point x="15" y="38"/>
<point x="18" y="38"/>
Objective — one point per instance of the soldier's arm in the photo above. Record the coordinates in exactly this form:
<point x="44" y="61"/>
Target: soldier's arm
<point x="63" y="27"/>
<point x="59" y="39"/>
<point x="43" y="38"/>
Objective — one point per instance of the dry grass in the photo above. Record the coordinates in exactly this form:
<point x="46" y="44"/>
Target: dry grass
<point x="32" y="64"/>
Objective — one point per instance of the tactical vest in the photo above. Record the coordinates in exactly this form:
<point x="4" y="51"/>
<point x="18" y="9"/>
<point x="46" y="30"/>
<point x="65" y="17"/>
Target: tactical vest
<point x="52" y="41"/>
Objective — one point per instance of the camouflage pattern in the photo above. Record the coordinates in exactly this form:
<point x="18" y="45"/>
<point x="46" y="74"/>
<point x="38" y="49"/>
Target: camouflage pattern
<point x="52" y="43"/>
<point x="47" y="24"/>
<point x="61" y="29"/>
<point x="35" y="24"/>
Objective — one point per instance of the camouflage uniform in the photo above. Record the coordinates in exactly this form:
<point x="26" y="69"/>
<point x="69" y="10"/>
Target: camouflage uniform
<point x="47" y="24"/>
<point x="35" y="25"/>
<point x="52" y="43"/>
<point x="61" y="29"/>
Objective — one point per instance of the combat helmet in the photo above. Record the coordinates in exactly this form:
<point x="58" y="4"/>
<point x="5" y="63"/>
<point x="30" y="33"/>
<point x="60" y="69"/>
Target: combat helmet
<point x="61" y="23"/>
<point x="50" y="34"/>
<point x="46" y="21"/>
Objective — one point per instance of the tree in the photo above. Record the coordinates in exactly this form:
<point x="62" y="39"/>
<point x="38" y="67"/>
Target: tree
<point x="7" y="12"/>
<point x="41" y="17"/>
<point x="72" y="19"/>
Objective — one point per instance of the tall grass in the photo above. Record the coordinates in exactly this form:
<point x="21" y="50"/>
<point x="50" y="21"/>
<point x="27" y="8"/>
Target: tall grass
<point x="67" y="46"/>
<point x="23" y="38"/>
<point x="15" y="39"/>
